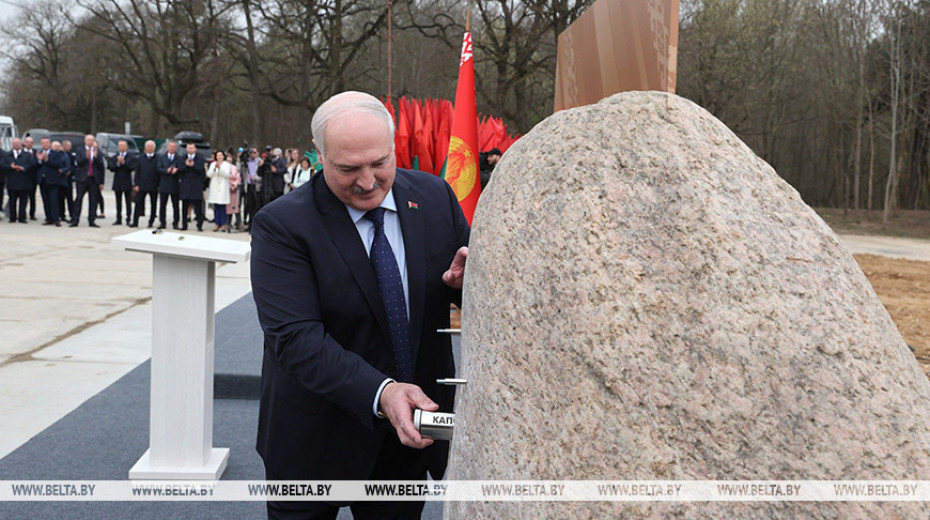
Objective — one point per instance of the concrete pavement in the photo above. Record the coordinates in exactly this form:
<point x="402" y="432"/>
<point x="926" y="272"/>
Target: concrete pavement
<point x="75" y="316"/>
<point x="892" y="247"/>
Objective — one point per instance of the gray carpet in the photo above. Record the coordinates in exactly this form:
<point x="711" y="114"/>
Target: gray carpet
<point x="104" y="437"/>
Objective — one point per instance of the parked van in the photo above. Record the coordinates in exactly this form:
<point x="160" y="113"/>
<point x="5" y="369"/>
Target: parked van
<point x="7" y="132"/>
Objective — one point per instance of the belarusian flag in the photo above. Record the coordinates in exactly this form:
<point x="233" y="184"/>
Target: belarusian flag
<point x="461" y="169"/>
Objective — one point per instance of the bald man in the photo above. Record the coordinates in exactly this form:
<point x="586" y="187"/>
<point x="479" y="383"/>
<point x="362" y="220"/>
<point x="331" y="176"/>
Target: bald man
<point x="352" y="276"/>
<point x="145" y="183"/>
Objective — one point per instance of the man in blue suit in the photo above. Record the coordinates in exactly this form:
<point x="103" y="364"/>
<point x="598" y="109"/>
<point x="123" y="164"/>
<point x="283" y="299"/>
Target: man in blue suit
<point x="19" y="167"/>
<point x="352" y="276"/>
<point x="52" y="164"/>
<point x="192" y="173"/>
<point x="89" y="174"/>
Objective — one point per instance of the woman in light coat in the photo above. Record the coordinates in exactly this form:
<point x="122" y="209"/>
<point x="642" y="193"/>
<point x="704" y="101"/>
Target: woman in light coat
<point x="234" y="182"/>
<point x="302" y="173"/>
<point x="218" y="194"/>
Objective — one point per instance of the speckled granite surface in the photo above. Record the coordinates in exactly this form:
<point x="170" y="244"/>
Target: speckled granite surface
<point x="646" y="299"/>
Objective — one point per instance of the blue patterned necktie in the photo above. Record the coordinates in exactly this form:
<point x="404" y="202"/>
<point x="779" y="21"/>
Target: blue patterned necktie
<point x="392" y="295"/>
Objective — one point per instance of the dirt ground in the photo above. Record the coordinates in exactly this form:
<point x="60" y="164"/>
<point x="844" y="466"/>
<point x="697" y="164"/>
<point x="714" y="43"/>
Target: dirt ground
<point x="902" y="285"/>
<point x="904" y="288"/>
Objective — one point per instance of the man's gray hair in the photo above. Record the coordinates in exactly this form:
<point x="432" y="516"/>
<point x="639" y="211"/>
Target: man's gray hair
<point x="346" y="103"/>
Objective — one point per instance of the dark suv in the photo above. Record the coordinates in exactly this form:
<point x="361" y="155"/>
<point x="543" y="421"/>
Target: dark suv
<point x="109" y="143"/>
<point x="203" y="147"/>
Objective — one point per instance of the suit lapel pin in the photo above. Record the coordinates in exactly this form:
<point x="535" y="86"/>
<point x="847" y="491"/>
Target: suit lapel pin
<point x="412" y="205"/>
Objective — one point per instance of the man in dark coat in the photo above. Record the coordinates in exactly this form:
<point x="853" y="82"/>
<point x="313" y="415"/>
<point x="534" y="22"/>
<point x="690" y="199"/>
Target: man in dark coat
<point x="19" y="168"/>
<point x="145" y="183"/>
<point x="49" y="174"/>
<point x="169" y="184"/>
<point x="192" y="173"/>
<point x="276" y="181"/>
<point x="352" y="275"/>
<point x="3" y="172"/>
<point x="89" y="175"/>
<point x="122" y="164"/>
<point x="28" y="144"/>
<point x="66" y="188"/>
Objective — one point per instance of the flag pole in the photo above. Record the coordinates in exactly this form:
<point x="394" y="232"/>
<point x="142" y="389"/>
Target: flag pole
<point x="467" y="19"/>
<point x="390" y="64"/>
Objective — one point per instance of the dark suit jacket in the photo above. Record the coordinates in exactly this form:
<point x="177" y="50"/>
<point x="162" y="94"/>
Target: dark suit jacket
<point x="33" y="171"/>
<point x="49" y="169"/>
<point x="327" y="348"/>
<point x="277" y="178"/>
<point x="146" y="173"/>
<point x="122" y="174"/>
<point x="21" y="180"/>
<point x="5" y="161"/>
<point x="192" y="177"/>
<point x="81" y="166"/>
<point x="68" y="175"/>
<point x="169" y="183"/>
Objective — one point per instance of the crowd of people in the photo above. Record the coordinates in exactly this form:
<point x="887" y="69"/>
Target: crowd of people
<point x="235" y="185"/>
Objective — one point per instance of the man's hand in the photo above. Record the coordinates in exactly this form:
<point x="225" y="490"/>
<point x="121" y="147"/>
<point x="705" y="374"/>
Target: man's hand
<point x="456" y="273"/>
<point x="101" y="187"/>
<point x="397" y="402"/>
<point x="135" y="189"/>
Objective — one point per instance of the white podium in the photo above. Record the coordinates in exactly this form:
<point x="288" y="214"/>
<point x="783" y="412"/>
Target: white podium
<point x="181" y="415"/>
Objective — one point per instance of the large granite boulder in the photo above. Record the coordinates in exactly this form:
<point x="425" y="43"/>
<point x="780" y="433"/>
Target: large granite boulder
<point x="645" y="298"/>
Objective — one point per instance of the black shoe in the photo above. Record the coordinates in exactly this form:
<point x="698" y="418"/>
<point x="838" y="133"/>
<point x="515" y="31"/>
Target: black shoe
<point x="133" y="225"/>
<point x="57" y="224"/>
<point x="152" y="223"/>
<point x="199" y="228"/>
<point x="183" y="228"/>
<point x="73" y="224"/>
<point x="23" y="222"/>
<point x="12" y="221"/>
<point x="175" y="226"/>
<point x="93" y="225"/>
<point x="32" y="217"/>
<point x="47" y="223"/>
<point x="118" y="223"/>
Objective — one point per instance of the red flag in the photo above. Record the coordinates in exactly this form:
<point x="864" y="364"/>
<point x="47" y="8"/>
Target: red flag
<point x="462" y="163"/>
<point x="443" y="118"/>
<point x="402" y="137"/>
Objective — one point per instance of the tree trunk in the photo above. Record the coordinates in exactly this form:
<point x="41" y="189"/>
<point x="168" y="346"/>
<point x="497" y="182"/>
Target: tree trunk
<point x="255" y="90"/>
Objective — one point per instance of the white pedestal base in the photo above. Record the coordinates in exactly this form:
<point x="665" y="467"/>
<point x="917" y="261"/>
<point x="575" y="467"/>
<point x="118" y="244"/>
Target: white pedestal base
<point x="181" y="409"/>
<point x="216" y="463"/>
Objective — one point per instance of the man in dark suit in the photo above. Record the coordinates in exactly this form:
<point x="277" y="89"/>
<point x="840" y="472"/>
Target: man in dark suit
<point x="169" y="185"/>
<point x="352" y="276"/>
<point x="28" y="144"/>
<point x="51" y="168"/>
<point x="192" y="173"/>
<point x="145" y="183"/>
<point x="18" y="181"/>
<point x="276" y="178"/>
<point x="66" y="188"/>
<point x="122" y="164"/>
<point x="4" y="167"/>
<point x="89" y="174"/>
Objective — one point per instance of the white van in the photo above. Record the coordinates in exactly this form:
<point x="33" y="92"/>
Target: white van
<point x="7" y="132"/>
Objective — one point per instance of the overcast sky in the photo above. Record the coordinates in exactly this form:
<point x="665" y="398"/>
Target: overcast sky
<point x="8" y="8"/>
